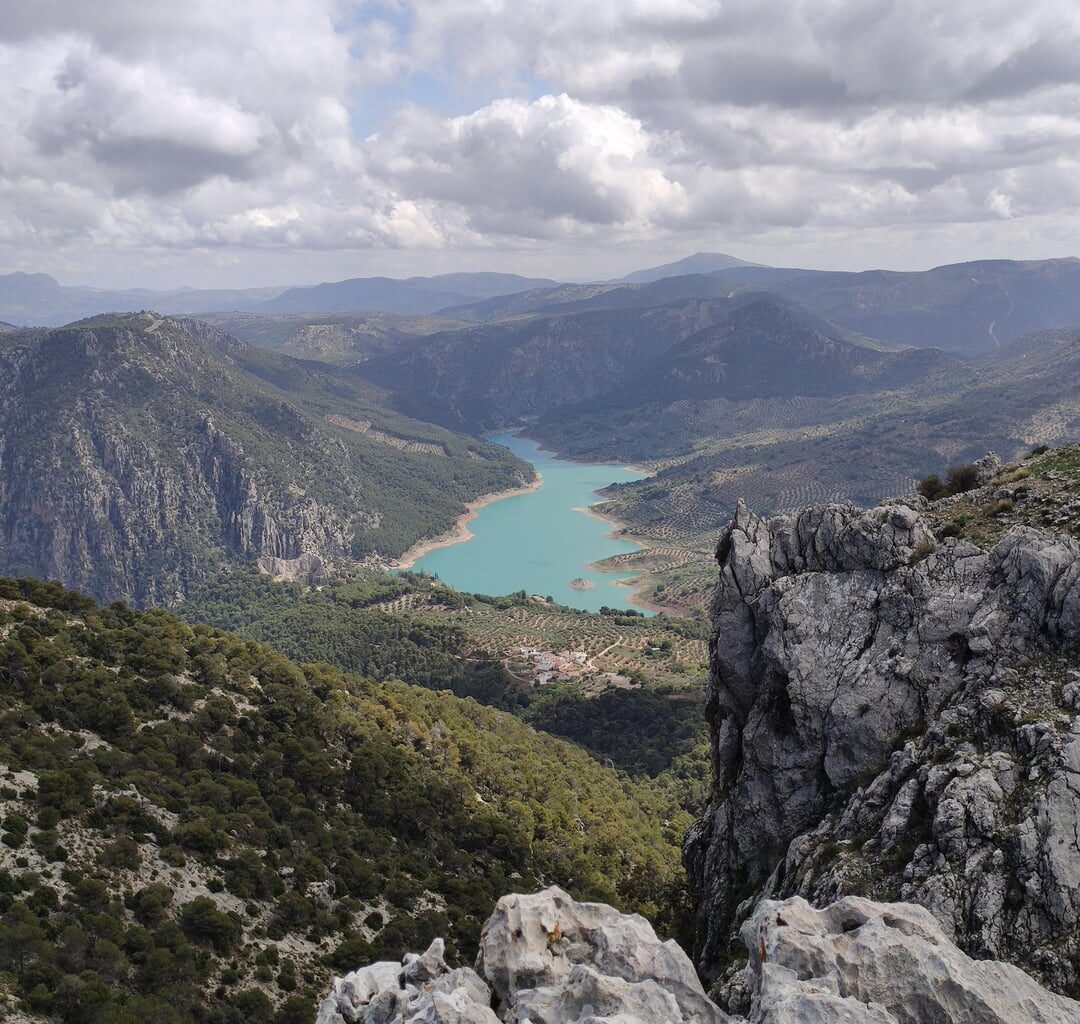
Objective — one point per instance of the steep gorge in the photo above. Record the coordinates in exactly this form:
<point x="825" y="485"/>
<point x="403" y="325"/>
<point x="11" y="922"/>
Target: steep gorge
<point x="138" y="454"/>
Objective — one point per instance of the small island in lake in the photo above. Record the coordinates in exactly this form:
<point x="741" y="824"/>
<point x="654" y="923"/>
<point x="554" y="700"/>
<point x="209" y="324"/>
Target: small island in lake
<point x="581" y="584"/>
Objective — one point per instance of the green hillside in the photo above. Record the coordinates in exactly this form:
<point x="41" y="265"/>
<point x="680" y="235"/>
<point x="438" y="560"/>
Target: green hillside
<point x="195" y="828"/>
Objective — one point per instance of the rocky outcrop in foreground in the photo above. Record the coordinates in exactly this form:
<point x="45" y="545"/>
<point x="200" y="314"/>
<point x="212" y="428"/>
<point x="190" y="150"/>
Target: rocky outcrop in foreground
<point x="860" y="962"/>
<point x="545" y="959"/>
<point x="895" y="717"/>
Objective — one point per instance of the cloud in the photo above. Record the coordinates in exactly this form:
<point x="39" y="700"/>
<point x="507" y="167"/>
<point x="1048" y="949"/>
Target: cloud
<point x="522" y="168"/>
<point x="533" y="127"/>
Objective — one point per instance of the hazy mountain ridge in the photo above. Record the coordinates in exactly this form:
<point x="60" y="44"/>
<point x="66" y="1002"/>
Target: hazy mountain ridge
<point x="698" y="263"/>
<point x="580" y="298"/>
<point x="504" y="372"/>
<point x="408" y="297"/>
<point x="40" y="300"/>
<point x="766" y="349"/>
<point x="968" y="308"/>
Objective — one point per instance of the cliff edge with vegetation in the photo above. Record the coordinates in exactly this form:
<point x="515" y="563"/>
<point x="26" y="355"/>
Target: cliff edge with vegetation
<point x="895" y="713"/>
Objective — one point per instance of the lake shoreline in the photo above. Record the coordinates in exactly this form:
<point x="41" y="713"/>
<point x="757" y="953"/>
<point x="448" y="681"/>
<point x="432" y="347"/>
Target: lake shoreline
<point x="645" y="471"/>
<point x="559" y="541"/>
<point x="459" y="532"/>
<point x="637" y="596"/>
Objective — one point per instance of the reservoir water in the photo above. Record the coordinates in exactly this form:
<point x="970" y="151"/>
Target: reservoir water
<point x="541" y="540"/>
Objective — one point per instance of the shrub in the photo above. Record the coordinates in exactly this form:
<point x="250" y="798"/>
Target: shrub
<point x="931" y="487"/>
<point x="958" y="480"/>
<point x="202" y="921"/>
<point x="962" y="478"/>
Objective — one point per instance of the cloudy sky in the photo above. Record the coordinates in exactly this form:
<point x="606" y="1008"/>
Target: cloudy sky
<point x="156" y="143"/>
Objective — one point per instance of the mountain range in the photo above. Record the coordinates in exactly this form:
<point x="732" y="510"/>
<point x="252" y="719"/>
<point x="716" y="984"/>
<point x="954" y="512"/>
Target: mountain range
<point x="39" y="300"/>
<point x="967" y="308"/>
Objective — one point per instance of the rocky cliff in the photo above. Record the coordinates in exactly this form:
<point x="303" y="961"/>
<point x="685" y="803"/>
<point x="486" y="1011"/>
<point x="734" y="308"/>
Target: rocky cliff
<point x="895" y="716"/>
<point x="545" y="959"/>
<point x="138" y="453"/>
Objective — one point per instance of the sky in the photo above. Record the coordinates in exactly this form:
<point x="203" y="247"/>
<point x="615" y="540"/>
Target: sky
<point x="263" y="142"/>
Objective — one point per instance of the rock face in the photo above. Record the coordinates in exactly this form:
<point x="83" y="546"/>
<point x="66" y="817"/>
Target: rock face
<point x="867" y="963"/>
<point x="545" y="959"/>
<point x="897" y="718"/>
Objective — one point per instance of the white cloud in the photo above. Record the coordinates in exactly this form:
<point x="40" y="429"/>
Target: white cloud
<point x="205" y="127"/>
<point x="516" y="166"/>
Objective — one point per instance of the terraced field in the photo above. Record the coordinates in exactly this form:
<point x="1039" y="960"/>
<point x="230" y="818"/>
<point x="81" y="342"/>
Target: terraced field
<point x="649" y="651"/>
<point x="659" y="650"/>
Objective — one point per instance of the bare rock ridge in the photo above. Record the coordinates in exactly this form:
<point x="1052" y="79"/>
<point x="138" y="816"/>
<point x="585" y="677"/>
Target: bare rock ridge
<point x="897" y="718"/>
<point x="545" y="959"/>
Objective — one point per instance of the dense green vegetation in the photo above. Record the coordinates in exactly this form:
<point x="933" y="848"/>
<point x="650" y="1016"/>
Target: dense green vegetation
<point x="641" y="731"/>
<point x="193" y="828"/>
<point x="443" y="639"/>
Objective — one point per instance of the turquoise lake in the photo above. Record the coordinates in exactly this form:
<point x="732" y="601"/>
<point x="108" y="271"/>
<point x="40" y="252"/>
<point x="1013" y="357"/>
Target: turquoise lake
<point x="540" y="541"/>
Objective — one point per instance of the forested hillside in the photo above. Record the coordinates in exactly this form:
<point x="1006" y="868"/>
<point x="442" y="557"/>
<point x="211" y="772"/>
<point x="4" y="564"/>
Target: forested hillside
<point x="173" y="449"/>
<point x="195" y="828"/>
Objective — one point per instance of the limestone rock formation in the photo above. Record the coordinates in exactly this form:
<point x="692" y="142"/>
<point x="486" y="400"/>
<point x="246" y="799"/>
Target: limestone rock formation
<point x="867" y="963"/>
<point x="895" y="717"/>
<point x="548" y="960"/>
<point x="545" y="959"/>
<point x="545" y="951"/>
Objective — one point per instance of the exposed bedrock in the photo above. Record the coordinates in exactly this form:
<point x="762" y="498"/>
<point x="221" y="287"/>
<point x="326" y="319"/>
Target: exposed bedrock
<point x="897" y="718"/>
<point x="545" y="959"/>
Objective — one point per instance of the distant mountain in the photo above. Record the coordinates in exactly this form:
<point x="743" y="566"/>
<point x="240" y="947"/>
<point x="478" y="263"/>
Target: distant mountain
<point x="969" y="308"/>
<point x="768" y="349"/>
<point x="579" y="298"/>
<point x="334" y="337"/>
<point x="407" y="297"/>
<point x="174" y="450"/>
<point x="41" y="301"/>
<point x="501" y="373"/>
<point x="699" y="263"/>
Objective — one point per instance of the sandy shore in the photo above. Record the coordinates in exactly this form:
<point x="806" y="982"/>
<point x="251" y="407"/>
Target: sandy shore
<point x="639" y="600"/>
<point x="460" y="530"/>
<point x="634" y="581"/>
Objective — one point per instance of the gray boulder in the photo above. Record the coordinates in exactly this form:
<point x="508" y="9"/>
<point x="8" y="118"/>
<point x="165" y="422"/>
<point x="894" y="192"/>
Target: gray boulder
<point x="532" y="947"/>
<point x="420" y="990"/>
<point x="867" y="963"/>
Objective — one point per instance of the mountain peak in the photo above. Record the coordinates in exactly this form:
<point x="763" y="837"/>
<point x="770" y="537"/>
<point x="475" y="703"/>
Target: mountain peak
<point x="698" y="263"/>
